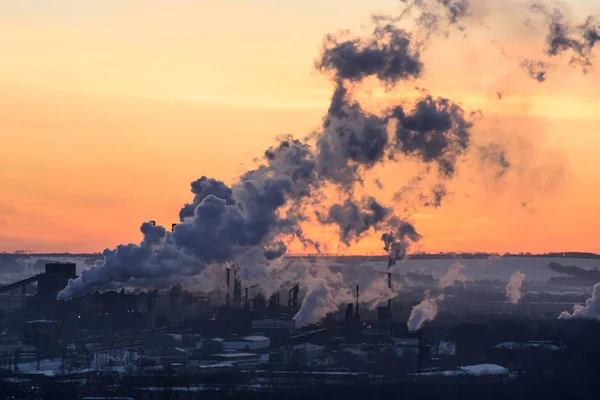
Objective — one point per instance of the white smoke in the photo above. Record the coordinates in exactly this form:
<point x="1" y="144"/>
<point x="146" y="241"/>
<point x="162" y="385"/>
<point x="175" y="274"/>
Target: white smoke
<point x="427" y="309"/>
<point x="325" y="292"/>
<point x="453" y="275"/>
<point x="378" y="292"/>
<point x="591" y="310"/>
<point x="514" y="287"/>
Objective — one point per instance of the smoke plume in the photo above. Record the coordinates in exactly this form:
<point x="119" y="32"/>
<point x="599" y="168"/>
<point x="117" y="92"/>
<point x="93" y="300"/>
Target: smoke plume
<point x="591" y="309"/>
<point x="514" y="287"/>
<point x="253" y="221"/>
<point x="427" y="309"/>
<point x="566" y="37"/>
<point x="325" y="291"/>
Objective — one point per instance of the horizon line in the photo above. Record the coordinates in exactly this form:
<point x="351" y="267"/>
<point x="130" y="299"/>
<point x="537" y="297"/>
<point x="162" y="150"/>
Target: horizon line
<point x="323" y="254"/>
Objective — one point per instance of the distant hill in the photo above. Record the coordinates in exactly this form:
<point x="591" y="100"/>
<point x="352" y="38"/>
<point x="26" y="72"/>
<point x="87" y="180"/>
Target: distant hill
<point x="444" y="256"/>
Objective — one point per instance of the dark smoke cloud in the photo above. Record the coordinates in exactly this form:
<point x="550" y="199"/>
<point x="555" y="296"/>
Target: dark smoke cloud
<point x="351" y="139"/>
<point x="256" y="217"/>
<point x="354" y="219"/>
<point x="388" y="54"/>
<point x="536" y="69"/>
<point x="397" y="241"/>
<point x="434" y="15"/>
<point x="202" y="188"/>
<point x="565" y="37"/>
<point x="268" y="203"/>
<point x="151" y="263"/>
<point x="436" y="130"/>
<point x="438" y="194"/>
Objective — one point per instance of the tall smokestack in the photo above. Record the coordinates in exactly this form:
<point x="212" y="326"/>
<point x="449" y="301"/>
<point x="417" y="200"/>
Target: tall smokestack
<point x="296" y="290"/>
<point x="357" y="313"/>
<point x="237" y="288"/>
<point x="389" y="276"/>
<point x="247" y="303"/>
<point x="173" y="227"/>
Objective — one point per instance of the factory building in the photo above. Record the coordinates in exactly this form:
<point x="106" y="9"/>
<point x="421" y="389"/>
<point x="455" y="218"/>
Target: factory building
<point x="247" y="343"/>
<point x="304" y="353"/>
<point x="273" y="324"/>
<point x="241" y="360"/>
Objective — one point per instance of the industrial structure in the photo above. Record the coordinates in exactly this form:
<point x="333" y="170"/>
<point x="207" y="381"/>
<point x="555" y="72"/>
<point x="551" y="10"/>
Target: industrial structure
<point x="49" y="283"/>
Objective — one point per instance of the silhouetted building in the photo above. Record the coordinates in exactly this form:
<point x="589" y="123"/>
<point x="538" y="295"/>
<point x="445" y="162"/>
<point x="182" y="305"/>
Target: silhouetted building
<point x="54" y="280"/>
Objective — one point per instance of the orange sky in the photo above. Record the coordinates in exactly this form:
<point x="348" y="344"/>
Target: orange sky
<point x="109" y="109"/>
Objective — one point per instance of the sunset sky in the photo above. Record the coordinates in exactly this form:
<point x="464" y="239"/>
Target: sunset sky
<point x="110" y="108"/>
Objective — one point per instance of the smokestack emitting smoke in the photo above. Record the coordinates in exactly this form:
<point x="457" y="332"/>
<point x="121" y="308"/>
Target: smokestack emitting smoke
<point x="262" y="211"/>
<point x="514" y="287"/>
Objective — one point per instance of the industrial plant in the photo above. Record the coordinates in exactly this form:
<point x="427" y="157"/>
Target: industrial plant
<point x="146" y="344"/>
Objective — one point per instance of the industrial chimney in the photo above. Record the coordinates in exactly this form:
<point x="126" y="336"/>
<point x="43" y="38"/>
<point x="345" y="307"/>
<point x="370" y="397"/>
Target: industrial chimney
<point x="173" y="227"/>
<point x="293" y="300"/>
<point x="357" y="312"/>
<point x="389" y="276"/>
<point x="278" y="304"/>
<point x="237" y="288"/>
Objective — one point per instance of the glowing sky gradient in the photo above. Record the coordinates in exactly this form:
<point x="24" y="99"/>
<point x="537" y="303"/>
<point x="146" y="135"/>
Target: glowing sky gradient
<point x="109" y="109"/>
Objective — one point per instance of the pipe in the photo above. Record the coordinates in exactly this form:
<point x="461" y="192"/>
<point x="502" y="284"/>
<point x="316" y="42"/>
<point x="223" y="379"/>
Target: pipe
<point x="389" y="276"/>
<point x="357" y="313"/>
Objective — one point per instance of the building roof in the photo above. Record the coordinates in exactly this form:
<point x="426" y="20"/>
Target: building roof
<point x="216" y="365"/>
<point x="355" y="352"/>
<point x="42" y="321"/>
